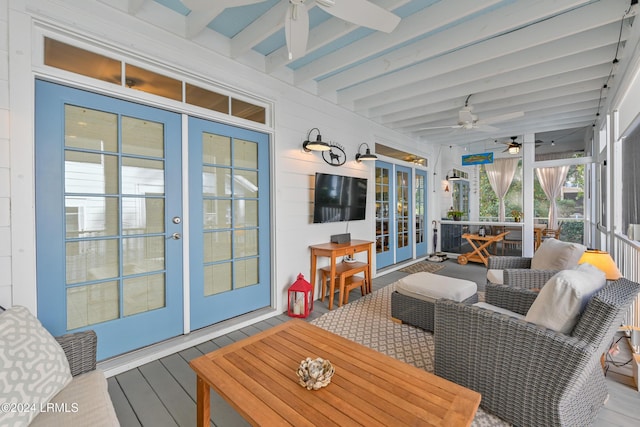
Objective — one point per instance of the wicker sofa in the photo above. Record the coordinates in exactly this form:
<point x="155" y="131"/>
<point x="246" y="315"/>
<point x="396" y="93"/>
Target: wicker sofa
<point x="529" y="375"/>
<point x="77" y="394"/>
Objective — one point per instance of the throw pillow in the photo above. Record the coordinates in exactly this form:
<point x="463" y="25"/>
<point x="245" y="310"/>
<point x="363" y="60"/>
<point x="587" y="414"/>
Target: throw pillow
<point x="563" y="298"/>
<point x="33" y="366"/>
<point x="554" y="254"/>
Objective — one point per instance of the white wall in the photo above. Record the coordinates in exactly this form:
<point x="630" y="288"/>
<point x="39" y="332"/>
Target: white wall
<point x="296" y="112"/>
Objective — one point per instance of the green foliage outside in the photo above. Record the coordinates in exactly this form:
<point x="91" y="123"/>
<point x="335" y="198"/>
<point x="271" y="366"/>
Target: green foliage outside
<point x="570" y="210"/>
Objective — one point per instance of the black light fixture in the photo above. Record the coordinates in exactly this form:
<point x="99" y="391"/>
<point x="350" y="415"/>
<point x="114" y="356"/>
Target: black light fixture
<point x="367" y="154"/>
<point x="453" y="177"/>
<point x="317" y="145"/>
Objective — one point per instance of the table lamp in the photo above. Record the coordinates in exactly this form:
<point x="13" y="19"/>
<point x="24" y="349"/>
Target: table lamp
<point x="603" y="261"/>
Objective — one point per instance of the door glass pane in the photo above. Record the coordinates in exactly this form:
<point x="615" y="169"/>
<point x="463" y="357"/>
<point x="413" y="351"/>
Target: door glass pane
<point x="216" y="149"/>
<point x="217" y="214"/>
<point x="90" y="173"/>
<point x="90" y="129"/>
<point x="142" y="137"/>
<point x="91" y="216"/>
<point x="245" y="213"/>
<point x="143" y="293"/>
<point x="245" y="154"/>
<point x="217" y="246"/>
<point x="245" y="243"/>
<point x="88" y="260"/>
<point x="245" y="183"/>
<point x="246" y="272"/>
<point x="142" y="215"/>
<point x="142" y="176"/>
<point x="217" y="278"/>
<point x="143" y="254"/>
<point x="88" y="305"/>
<point x="216" y="181"/>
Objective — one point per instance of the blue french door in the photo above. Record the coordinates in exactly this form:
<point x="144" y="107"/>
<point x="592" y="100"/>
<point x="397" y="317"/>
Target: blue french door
<point x="108" y="218"/>
<point x="229" y="211"/>
<point x="384" y="215"/>
<point x="394" y="215"/>
<point x="404" y="213"/>
<point x="420" y="210"/>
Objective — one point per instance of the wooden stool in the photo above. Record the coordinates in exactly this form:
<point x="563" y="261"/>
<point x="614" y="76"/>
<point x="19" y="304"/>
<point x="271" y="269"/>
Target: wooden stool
<point x="346" y="279"/>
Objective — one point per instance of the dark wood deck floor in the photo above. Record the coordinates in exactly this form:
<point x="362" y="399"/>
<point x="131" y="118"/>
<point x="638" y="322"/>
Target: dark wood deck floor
<point x="163" y="392"/>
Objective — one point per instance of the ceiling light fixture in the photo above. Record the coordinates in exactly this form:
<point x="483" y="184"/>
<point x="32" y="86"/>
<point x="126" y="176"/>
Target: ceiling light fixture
<point x="367" y="154"/>
<point x="317" y="145"/>
<point x="514" y="149"/>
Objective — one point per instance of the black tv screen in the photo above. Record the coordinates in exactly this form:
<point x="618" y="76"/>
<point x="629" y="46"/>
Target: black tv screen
<point x="339" y="198"/>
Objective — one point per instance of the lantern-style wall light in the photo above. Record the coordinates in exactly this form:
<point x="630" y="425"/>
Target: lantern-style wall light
<point x="368" y="155"/>
<point x="300" y="298"/>
<point x="317" y="145"/>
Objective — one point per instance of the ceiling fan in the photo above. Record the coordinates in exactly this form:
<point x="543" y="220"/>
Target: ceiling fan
<point x="513" y="147"/>
<point x="467" y="120"/>
<point x="296" y="21"/>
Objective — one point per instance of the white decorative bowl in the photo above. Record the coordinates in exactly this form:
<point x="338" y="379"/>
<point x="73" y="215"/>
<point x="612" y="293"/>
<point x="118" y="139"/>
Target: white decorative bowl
<point x="314" y="374"/>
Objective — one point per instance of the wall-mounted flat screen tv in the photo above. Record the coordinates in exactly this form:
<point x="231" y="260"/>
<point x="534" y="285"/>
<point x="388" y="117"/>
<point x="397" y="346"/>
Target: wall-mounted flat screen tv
<point x="339" y="198"/>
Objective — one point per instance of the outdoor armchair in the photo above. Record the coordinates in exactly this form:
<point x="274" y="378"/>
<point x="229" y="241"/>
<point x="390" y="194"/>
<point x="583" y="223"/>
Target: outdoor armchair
<point x="527" y="374"/>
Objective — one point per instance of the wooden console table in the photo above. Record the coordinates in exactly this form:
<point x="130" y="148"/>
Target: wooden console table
<point x="333" y="251"/>
<point x="257" y="376"/>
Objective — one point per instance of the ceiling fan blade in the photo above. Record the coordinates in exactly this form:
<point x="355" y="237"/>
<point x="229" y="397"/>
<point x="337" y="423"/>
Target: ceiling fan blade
<point x="206" y="4"/>
<point x="296" y="30"/>
<point x="442" y="127"/>
<point x="501" y="118"/>
<point x="361" y="12"/>
<point x="485" y="128"/>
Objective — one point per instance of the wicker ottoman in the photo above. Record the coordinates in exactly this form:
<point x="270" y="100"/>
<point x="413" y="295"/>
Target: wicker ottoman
<point x="413" y="300"/>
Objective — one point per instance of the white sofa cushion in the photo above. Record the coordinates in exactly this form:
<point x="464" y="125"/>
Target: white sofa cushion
<point x="430" y="287"/>
<point x="495" y="276"/>
<point x="563" y="298"/>
<point x="554" y="254"/>
<point x="84" y="402"/>
<point x="33" y="366"/>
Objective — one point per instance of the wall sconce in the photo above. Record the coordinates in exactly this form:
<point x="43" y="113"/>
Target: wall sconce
<point x="453" y="176"/>
<point x="317" y="145"/>
<point x="367" y="154"/>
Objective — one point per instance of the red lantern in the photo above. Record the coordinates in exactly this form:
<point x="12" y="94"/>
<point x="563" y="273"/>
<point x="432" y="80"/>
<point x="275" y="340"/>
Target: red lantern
<point x="300" y="298"/>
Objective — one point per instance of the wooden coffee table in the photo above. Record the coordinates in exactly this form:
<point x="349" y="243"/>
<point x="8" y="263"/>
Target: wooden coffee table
<point x="257" y="377"/>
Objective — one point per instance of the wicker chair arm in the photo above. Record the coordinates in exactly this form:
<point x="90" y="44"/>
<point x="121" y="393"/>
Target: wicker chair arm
<point x="518" y="300"/>
<point x="503" y="262"/>
<point x="80" y="349"/>
<point x="528" y="279"/>
<point x="522" y="370"/>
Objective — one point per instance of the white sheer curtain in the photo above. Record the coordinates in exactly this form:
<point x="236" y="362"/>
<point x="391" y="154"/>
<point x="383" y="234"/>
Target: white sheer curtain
<point x="500" y="174"/>
<point x="551" y="180"/>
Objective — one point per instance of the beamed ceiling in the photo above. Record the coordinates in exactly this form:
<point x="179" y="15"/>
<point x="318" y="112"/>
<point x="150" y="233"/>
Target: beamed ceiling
<point x="544" y="67"/>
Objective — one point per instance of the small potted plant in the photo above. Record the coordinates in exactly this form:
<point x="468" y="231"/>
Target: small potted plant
<point x="517" y="215"/>
<point x="454" y="215"/>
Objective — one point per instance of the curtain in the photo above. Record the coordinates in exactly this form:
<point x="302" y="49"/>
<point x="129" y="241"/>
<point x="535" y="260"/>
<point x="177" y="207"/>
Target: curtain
<point x="551" y="180"/>
<point x="500" y="174"/>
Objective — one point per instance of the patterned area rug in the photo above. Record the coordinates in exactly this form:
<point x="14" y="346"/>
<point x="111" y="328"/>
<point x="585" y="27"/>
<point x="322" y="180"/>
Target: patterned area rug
<point x="368" y="321"/>
<point x="429" y="267"/>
